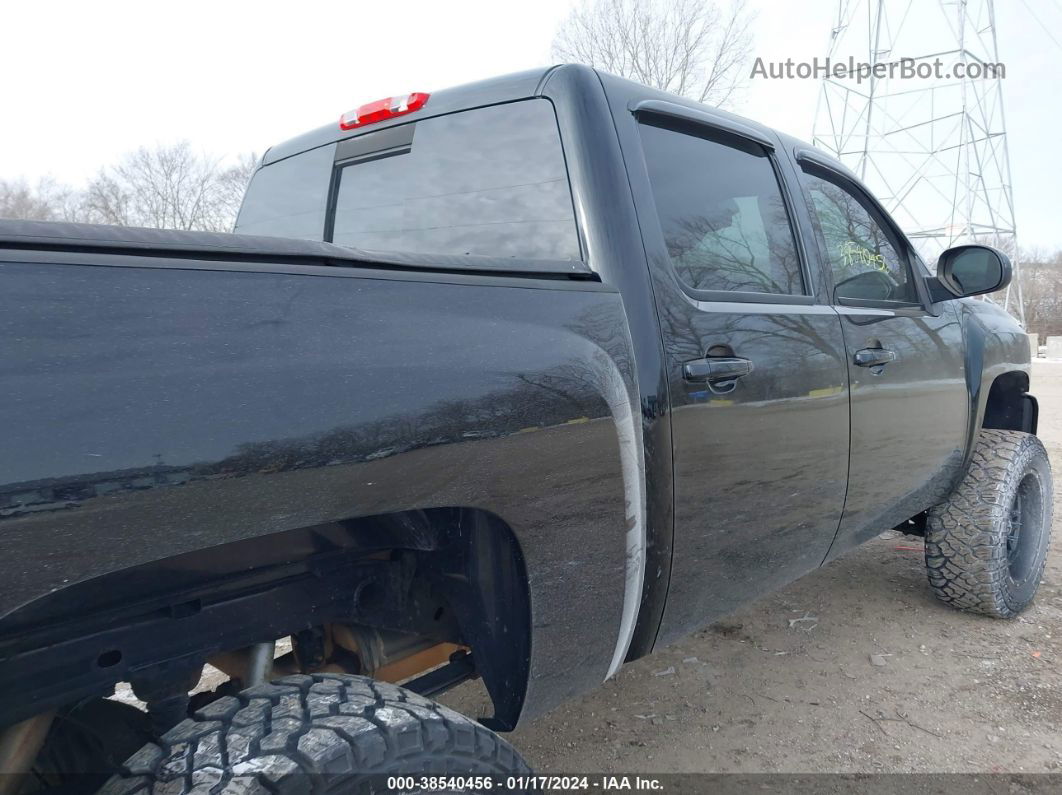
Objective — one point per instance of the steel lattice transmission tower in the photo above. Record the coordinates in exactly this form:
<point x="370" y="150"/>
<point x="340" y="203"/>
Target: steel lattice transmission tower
<point x="929" y="140"/>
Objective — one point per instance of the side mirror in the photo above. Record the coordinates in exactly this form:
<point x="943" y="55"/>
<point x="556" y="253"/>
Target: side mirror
<point x="973" y="270"/>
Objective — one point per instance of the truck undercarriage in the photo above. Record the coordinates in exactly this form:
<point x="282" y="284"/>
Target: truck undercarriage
<point x="400" y="598"/>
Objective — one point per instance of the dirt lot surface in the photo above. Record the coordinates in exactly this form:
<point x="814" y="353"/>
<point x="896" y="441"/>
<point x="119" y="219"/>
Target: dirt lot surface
<point x="855" y="668"/>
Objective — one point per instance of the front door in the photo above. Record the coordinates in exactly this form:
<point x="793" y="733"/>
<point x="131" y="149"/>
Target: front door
<point x="909" y="399"/>
<point x="757" y="373"/>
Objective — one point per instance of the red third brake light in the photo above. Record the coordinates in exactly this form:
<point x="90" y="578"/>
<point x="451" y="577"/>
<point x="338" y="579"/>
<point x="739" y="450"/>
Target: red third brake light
<point x="383" y="109"/>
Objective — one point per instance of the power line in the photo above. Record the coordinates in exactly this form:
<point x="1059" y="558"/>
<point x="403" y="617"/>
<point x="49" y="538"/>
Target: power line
<point x="1043" y="27"/>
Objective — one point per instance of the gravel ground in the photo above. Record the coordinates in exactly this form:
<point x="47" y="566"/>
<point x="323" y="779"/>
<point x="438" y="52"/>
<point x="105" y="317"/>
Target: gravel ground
<point x="854" y="668"/>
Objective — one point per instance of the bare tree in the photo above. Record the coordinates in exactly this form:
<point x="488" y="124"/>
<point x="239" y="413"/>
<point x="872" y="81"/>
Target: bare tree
<point x="232" y="184"/>
<point x="48" y="200"/>
<point x="1041" y="286"/>
<point x="169" y="187"/>
<point x="695" y="48"/>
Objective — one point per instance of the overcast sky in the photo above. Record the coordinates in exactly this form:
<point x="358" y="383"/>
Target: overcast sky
<point x="85" y="82"/>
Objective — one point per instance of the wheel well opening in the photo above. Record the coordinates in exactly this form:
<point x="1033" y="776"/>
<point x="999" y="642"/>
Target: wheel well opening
<point x="444" y="578"/>
<point x="1009" y="406"/>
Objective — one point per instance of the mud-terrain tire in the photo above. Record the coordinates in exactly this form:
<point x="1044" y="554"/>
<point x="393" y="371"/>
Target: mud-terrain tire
<point x="322" y="733"/>
<point x="986" y="546"/>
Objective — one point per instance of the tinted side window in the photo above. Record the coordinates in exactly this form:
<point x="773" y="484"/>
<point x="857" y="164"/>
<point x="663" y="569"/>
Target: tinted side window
<point x="289" y="198"/>
<point x="859" y="251"/>
<point x="721" y="209"/>
<point x="490" y="181"/>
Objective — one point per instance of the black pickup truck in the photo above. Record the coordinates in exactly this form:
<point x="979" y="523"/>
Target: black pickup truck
<point x="516" y="381"/>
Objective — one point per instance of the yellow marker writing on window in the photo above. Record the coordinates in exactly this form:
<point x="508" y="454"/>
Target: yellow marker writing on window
<point x="853" y="254"/>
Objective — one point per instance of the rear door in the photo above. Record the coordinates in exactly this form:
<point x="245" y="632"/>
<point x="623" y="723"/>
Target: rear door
<point x="909" y="399"/>
<point x="756" y="363"/>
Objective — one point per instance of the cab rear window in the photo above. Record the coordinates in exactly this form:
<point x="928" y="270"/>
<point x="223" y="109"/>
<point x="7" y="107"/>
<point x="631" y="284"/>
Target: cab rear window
<point x="490" y="181"/>
<point x="289" y="198"/>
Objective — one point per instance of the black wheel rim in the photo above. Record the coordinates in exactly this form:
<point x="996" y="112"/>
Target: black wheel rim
<point x="1024" y="526"/>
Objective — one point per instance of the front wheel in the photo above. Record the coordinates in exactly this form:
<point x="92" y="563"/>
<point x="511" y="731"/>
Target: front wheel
<point x="322" y="732"/>
<point x="986" y="546"/>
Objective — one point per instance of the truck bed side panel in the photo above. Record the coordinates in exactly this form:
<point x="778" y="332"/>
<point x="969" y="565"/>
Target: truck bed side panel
<point x="166" y="405"/>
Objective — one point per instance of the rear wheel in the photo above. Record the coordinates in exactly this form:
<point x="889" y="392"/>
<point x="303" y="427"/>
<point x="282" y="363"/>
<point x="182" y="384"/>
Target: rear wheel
<point x="986" y="547"/>
<point x="325" y="732"/>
